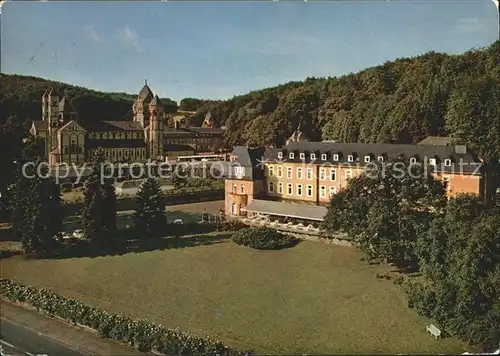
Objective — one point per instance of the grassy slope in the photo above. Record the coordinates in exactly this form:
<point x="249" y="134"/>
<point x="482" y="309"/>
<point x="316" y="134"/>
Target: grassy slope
<point x="312" y="298"/>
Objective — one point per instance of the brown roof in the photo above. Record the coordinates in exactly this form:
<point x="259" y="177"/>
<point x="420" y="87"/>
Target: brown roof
<point x="155" y="101"/>
<point x="41" y="125"/>
<point x="66" y="106"/>
<point x="206" y="129"/>
<point x="145" y="94"/>
<point x="124" y="125"/>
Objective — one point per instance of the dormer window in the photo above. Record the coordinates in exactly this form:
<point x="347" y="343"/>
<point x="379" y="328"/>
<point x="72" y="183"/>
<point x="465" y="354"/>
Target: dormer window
<point x="367" y="159"/>
<point x="350" y="158"/>
<point x="432" y="161"/>
<point x="291" y="155"/>
<point x="313" y="156"/>
<point x="280" y="155"/>
<point x="323" y="156"/>
<point x="335" y="157"/>
<point x="413" y="160"/>
<point x="302" y="156"/>
<point x="380" y="158"/>
<point x="447" y="162"/>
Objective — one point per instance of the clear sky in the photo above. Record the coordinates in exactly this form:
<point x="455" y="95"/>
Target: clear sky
<point x="220" y="49"/>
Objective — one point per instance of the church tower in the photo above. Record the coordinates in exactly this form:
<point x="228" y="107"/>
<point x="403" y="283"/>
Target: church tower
<point x="140" y="107"/>
<point x="156" y="128"/>
<point x="53" y="124"/>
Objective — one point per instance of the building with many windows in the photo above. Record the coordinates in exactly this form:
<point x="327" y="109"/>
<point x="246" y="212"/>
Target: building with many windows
<point x="66" y="139"/>
<point x="275" y="180"/>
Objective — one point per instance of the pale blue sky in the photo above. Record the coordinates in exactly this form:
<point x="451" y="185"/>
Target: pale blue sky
<point x="220" y="49"/>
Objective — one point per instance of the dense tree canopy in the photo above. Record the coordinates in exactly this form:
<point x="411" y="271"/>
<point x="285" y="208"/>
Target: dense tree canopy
<point x="386" y="209"/>
<point x="99" y="203"/>
<point x="37" y="215"/>
<point x="460" y="258"/>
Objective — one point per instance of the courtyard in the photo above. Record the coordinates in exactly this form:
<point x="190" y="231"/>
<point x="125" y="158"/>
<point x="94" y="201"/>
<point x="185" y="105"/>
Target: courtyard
<point x="312" y="298"/>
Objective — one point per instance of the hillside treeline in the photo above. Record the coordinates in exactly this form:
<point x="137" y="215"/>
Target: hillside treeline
<point x="22" y="96"/>
<point x="402" y="101"/>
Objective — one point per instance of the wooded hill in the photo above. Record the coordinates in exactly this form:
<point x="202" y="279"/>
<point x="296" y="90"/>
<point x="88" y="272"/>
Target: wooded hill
<point x="401" y="101"/>
<point x="22" y="96"/>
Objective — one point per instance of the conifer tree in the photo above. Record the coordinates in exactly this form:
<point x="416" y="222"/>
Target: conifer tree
<point x="149" y="215"/>
<point x="37" y="214"/>
<point x="99" y="205"/>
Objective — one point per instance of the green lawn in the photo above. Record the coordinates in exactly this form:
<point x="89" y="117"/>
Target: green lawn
<point x="310" y="298"/>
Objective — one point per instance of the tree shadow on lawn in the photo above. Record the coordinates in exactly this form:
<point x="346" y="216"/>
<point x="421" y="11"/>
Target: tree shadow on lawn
<point x="85" y="248"/>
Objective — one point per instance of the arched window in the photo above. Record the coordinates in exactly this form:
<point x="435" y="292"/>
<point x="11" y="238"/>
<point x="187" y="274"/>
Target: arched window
<point x="74" y="148"/>
<point x="80" y="149"/>
<point x="65" y="150"/>
<point x="235" y="188"/>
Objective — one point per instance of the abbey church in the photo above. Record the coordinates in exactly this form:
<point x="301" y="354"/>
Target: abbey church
<point x="147" y="136"/>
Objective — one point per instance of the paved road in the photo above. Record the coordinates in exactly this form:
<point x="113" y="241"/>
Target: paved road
<point x="19" y="340"/>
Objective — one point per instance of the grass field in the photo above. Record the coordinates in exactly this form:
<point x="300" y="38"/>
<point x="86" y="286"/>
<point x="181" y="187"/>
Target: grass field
<point x="312" y="298"/>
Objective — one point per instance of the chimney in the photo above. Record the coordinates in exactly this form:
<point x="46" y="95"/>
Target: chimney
<point x="461" y="149"/>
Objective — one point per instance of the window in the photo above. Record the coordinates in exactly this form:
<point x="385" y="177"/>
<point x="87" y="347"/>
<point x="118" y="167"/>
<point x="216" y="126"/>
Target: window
<point x="309" y="173"/>
<point x="289" y="189"/>
<point x="239" y="171"/>
<point x="280" y="171"/>
<point x="299" y="190"/>
<point x="234" y="188"/>
<point x="380" y="158"/>
<point x="291" y="155"/>
<point x="309" y="190"/>
<point x="233" y="209"/>
<point x="302" y="156"/>
<point x="333" y="174"/>
<point x="271" y="187"/>
<point x="313" y="156"/>
<point x="447" y="162"/>
<point x="413" y="160"/>
<point x="367" y="159"/>
<point x="322" y="191"/>
<point x="323" y="156"/>
<point x="299" y="173"/>
<point x="289" y="172"/>
<point x="280" y="155"/>
<point x="322" y="174"/>
<point x="280" y="188"/>
<point x="432" y="161"/>
<point x="333" y="190"/>
<point x="348" y="174"/>
<point x="242" y="188"/>
<point x="350" y="158"/>
<point x="335" y="157"/>
<point x="271" y="171"/>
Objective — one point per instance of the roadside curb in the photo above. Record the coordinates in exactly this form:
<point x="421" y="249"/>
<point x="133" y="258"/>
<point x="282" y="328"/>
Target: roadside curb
<point x="63" y="321"/>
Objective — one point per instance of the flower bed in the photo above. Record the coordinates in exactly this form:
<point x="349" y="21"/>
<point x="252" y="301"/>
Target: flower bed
<point x="143" y="335"/>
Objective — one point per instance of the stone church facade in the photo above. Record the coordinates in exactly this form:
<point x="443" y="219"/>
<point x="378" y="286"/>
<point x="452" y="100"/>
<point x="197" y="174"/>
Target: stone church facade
<point x="67" y="140"/>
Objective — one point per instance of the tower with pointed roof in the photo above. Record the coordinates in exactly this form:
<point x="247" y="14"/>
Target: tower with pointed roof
<point x="156" y="128"/>
<point x="52" y="118"/>
<point x="140" y="108"/>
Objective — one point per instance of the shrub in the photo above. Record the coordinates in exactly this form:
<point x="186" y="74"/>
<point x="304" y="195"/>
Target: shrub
<point x="230" y="225"/>
<point x="141" y="334"/>
<point x="262" y="238"/>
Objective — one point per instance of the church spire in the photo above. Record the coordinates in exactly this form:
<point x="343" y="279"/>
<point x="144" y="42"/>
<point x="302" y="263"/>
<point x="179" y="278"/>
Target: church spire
<point x="145" y="82"/>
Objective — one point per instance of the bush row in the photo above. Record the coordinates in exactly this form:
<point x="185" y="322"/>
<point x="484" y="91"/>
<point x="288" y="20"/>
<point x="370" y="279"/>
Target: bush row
<point x="145" y="336"/>
<point x="262" y="238"/>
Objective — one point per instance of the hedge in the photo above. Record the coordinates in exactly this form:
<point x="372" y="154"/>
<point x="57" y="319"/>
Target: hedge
<point x="262" y="238"/>
<point x="144" y="335"/>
